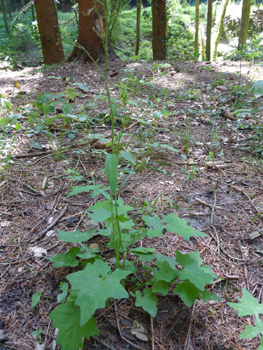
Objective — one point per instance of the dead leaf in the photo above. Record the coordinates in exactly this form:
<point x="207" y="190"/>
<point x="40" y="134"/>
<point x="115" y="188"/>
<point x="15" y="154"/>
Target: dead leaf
<point x="225" y="114"/>
<point x="93" y="246"/>
<point x="40" y="346"/>
<point x="113" y="74"/>
<point x="38" y="251"/>
<point x="5" y="223"/>
<point x="221" y="88"/>
<point x="139" y="331"/>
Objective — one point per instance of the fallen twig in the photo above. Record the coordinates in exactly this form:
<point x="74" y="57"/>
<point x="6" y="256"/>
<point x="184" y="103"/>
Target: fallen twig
<point x="188" y="337"/>
<point x="223" y="250"/>
<point x="152" y="332"/>
<point x="245" y="267"/>
<point x="48" y="228"/>
<point x="239" y="190"/>
<point x="119" y="329"/>
<point x="206" y="204"/>
<point x="102" y="342"/>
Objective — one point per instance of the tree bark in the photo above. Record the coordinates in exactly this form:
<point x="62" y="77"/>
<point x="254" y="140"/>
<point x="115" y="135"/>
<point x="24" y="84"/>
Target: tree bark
<point x="8" y="9"/>
<point x="197" y="2"/>
<point x="49" y="31"/>
<point x="220" y="30"/>
<point x="209" y="29"/>
<point x="138" y="26"/>
<point x="5" y="18"/>
<point x="246" y="5"/>
<point x="91" y="39"/>
<point x="159" y="29"/>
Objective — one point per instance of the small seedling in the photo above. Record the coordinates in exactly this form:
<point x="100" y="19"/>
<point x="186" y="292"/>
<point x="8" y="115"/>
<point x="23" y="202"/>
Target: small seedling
<point x="37" y="335"/>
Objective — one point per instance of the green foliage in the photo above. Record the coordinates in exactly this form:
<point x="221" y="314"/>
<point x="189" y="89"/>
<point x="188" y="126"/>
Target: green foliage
<point x="22" y="37"/>
<point x="180" y="40"/>
<point x="42" y="117"/>
<point x="35" y="299"/>
<point x="257" y="88"/>
<point x="67" y="318"/>
<point x="68" y="29"/>
<point x="111" y="166"/>
<point x="254" y="113"/>
<point x="148" y="301"/>
<point x="68" y="259"/>
<point x="37" y="335"/>
<point x="96" y="283"/>
<point x="64" y="288"/>
<point x="250" y="306"/>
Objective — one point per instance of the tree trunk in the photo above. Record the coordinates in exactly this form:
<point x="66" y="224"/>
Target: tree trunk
<point x="138" y="26"/>
<point x="220" y="30"/>
<point x="215" y="13"/>
<point x="5" y="18"/>
<point x="49" y="31"/>
<point x="8" y="9"/>
<point x="197" y="2"/>
<point x="246" y="5"/>
<point x="33" y="14"/>
<point x="209" y="29"/>
<point x="159" y="29"/>
<point x="91" y="39"/>
<point x="202" y="39"/>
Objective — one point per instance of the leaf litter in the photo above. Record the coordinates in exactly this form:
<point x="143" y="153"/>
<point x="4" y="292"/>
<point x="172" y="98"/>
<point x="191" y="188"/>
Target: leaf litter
<point x="214" y="182"/>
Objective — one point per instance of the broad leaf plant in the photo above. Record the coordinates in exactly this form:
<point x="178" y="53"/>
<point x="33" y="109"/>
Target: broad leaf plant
<point x="97" y="282"/>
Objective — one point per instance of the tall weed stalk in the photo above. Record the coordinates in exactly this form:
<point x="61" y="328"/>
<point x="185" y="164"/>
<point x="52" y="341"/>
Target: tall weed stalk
<point x="97" y="283"/>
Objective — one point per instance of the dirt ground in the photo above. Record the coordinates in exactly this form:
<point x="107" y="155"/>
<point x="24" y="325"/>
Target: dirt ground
<point x="219" y="196"/>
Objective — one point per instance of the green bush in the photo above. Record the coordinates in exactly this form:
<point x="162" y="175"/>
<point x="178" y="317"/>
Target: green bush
<point x="180" y="39"/>
<point x="69" y="30"/>
<point x="21" y="37"/>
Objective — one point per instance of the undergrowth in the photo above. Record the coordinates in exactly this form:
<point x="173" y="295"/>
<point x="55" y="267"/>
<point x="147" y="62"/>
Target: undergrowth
<point x="97" y="283"/>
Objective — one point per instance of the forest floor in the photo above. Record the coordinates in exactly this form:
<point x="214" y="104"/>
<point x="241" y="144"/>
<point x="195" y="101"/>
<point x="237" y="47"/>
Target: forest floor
<point x="214" y="182"/>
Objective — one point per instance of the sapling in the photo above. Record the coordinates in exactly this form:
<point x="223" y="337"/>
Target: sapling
<point x="97" y="283"/>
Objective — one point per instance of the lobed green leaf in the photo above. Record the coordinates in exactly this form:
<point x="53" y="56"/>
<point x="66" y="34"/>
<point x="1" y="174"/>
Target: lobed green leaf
<point x="66" y="317"/>
<point x="96" y="284"/>
<point x="148" y="301"/>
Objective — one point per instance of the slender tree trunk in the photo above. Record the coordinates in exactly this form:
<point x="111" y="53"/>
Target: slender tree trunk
<point x="90" y="43"/>
<point x="8" y="9"/>
<point x="220" y="30"/>
<point x="138" y="26"/>
<point x="75" y="9"/>
<point x="197" y="2"/>
<point x="246" y="6"/>
<point x="5" y="18"/>
<point x="159" y="29"/>
<point x="209" y="29"/>
<point x="33" y="13"/>
<point x="116" y="8"/>
<point x="202" y="45"/>
<point x="49" y="31"/>
<point x="215" y="13"/>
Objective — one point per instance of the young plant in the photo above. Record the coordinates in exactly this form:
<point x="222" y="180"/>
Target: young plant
<point x="37" y="335"/>
<point x="97" y="283"/>
<point x="43" y="121"/>
<point x="250" y="306"/>
<point x="214" y="136"/>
